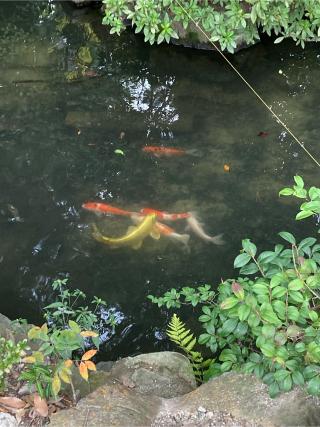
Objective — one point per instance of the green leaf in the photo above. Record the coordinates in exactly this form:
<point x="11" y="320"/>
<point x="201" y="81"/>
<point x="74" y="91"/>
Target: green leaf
<point x="268" y="349"/>
<point x="293" y="313"/>
<point x="278" y="40"/>
<point x="296" y="296"/>
<point x="299" y="181"/>
<point x="268" y="331"/>
<point x="279" y="291"/>
<point x="244" y="312"/>
<point x="313" y="386"/>
<point x="229" y="326"/>
<point x="241" y="260"/>
<point x="303" y="214"/>
<point x="229" y="303"/>
<point x="269" y="315"/>
<point x="296" y="285"/>
<point x="260" y="289"/>
<point x="118" y="151"/>
<point x="280" y="308"/>
<point x="249" y="247"/>
<point x="297" y="378"/>
<point x="288" y="237"/>
<point x="274" y="390"/>
<point x="286" y="192"/>
<point x="249" y="269"/>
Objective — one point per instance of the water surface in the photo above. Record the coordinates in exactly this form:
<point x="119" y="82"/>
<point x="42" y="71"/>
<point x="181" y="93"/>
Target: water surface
<point x="70" y="95"/>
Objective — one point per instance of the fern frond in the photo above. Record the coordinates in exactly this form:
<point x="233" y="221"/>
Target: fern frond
<point x="185" y="339"/>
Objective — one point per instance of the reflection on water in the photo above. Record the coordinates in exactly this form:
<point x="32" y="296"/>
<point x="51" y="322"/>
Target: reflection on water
<point x="70" y="95"/>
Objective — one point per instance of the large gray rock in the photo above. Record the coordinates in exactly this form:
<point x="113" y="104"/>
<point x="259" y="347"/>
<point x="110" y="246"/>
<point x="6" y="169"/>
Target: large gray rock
<point x="114" y="405"/>
<point x="233" y="400"/>
<point x="164" y="374"/>
<point x="7" y="420"/>
<point x="244" y="398"/>
<point x="6" y="329"/>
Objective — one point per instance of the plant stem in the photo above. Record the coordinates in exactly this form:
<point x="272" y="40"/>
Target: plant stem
<point x="258" y="265"/>
<point x="74" y="395"/>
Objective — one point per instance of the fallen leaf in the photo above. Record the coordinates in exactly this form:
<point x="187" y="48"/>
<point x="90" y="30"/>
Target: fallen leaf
<point x="12" y="402"/>
<point x="40" y="405"/>
<point x="88" y="354"/>
<point x="263" y="134"/>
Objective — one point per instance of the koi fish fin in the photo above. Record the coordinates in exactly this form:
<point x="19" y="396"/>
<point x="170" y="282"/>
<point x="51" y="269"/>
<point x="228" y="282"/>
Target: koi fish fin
<point x="137" y="245"/>
<point x="218" y="240"/>
<point x="194" y="152"/>
<point x="184" y="238"/>
<point x="154" y="233"/>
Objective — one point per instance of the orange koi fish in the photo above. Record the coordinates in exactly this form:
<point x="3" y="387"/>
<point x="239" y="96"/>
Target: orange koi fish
<point x="103" y="208"/>
<point x="166" y="216"/>
<point x="160" y="151"/>
<point x="172" y="234"/>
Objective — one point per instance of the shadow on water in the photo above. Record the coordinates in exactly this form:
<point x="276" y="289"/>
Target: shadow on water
<point x="71" y="94"/>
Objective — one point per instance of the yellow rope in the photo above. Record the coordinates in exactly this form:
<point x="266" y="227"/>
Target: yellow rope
<point x="249" y="85"/>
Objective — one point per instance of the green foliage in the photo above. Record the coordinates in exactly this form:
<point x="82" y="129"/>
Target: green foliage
<point x="311" y="206"/>
<point x="184" y="339"/>
<point x="223" y="20"/>
<point x="66" y="308"/>
<point x="58" y="349"/>
<point x="267" y="325"/>
<point x="11" y="355"/>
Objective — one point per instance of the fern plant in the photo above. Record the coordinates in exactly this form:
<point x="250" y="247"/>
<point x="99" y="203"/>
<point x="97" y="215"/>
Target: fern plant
<point x="186" y="341"/>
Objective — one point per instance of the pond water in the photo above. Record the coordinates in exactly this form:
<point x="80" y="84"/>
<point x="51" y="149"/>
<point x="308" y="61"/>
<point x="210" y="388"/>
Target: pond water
<point x="71" y="94"/>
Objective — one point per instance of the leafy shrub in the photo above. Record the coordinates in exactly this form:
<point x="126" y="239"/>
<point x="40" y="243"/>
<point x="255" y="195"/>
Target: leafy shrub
<point x="66" y="307"/>
<point x="10" y="355"/>
<point x="58" y="350"/>
<point x="223" y="20"/>
<point x="269" y="325"/>
<point x="311" y="207"/>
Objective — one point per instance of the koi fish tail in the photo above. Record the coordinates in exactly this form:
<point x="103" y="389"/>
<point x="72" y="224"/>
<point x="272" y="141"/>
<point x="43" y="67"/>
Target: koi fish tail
<point x="218" y="240"/>
<point x="194" y="152"/>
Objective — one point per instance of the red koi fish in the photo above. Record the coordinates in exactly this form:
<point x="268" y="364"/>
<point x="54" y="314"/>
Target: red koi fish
<point x="160" y="151"/>
<point x="166" y="216"/>
<point x="103" y="208"/>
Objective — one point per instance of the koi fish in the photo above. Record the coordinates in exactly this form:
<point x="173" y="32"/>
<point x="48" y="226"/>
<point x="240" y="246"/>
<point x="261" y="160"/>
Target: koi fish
<point x="166" y="216"/>
<point x="159" y="151"/>
<point x="197" y="228"/>
<point x="172" y="234"/>
<point x="167" y="231"/>
<point x="103" y="208"/>
<point x="134" y="236"/>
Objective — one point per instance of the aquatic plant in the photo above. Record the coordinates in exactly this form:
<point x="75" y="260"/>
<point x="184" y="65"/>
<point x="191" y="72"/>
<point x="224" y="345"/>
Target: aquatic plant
<point x="267" y="325"/>
<point x="11" y="354"/>
<point x="225" y="21"/>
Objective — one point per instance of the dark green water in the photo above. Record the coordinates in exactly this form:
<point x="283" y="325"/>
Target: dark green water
<point x="68" y="90"/>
